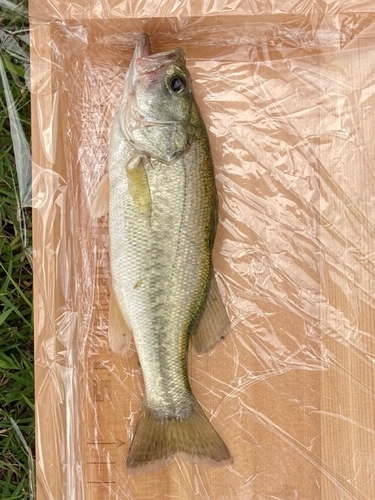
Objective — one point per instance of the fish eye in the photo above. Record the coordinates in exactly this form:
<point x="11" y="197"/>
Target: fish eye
<point x="177" y="84"/>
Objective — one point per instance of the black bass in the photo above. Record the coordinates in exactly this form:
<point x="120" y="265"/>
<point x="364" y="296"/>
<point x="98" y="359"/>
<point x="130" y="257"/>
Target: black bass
<point x="161" y="196"/>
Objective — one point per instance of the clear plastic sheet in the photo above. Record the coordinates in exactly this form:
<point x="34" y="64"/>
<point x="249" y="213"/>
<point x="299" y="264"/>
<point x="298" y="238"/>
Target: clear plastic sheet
<point x="287" y="92"/>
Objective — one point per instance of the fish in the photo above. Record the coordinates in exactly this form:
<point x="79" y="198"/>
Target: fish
<point x="161" y="197"/>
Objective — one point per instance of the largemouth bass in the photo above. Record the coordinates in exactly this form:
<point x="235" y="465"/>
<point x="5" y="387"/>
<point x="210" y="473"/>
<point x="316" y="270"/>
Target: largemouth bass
<point x="161" y="196"/>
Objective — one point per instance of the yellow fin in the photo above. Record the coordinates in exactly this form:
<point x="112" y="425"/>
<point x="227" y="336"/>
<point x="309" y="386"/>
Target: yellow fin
<point x="213" y="324"/>
<point x="139" y="188"/>
<point x="100" y="205"/>
<point x="157" y="439"/>
<point x="119" y="332"/>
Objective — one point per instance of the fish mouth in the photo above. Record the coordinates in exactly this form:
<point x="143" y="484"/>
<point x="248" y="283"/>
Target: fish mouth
<point x="143" y="47"/>
<point x="142" y="50"/>
<point x="145" y="62"/>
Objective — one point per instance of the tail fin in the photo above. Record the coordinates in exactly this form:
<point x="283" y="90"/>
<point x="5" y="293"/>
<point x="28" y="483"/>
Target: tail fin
<point x="157" y="440"/>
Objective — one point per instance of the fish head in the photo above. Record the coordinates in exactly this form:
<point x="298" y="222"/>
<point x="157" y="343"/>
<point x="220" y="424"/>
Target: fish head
<point x="159" y="101"/>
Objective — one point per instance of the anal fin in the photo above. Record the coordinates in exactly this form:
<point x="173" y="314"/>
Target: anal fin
<point x="119" y="332"/>
<point x="213" y="324"/>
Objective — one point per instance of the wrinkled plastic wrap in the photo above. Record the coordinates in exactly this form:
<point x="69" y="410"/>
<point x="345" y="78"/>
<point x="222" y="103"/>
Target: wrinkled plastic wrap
<point x="287" y="92"/>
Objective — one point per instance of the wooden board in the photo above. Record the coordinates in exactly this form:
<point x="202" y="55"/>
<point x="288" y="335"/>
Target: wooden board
<point x="292" y="388"/>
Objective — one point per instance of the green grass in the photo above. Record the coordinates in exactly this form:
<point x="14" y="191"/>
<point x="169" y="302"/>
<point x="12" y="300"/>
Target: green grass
<point x="16" y="331"/>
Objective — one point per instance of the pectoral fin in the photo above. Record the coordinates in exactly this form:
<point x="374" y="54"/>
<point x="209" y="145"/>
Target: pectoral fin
<point x="213" y="324"/>
<point x="119" y="332"/>
<point x="100" y="205"/>
<point x="139" y="188"/>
